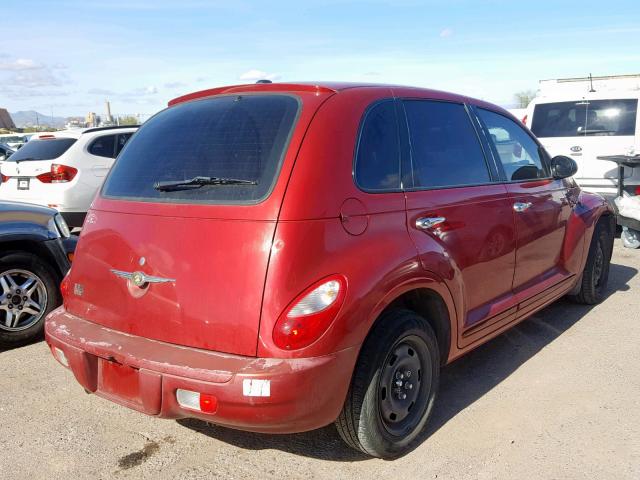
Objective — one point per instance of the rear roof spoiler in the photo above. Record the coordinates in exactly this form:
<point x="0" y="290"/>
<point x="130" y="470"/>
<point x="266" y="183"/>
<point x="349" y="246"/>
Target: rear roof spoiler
<point x="113" y="127"/>
<point x="253" y="87"/>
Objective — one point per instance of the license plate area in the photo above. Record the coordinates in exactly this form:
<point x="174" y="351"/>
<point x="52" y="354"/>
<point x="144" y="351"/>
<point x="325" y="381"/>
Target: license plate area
<point x="135" y="388"/>
<point x="23" y="183"/>
<point x="117" y="380"/>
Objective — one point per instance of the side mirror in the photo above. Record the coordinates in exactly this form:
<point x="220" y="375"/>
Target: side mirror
<point x="563" y="167"/>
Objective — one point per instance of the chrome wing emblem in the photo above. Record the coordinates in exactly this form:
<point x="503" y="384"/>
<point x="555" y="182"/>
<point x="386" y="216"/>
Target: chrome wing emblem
<point x="140" y="279"/>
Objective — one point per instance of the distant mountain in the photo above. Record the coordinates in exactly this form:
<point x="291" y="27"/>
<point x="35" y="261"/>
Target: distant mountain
<point x="30" y="118"/>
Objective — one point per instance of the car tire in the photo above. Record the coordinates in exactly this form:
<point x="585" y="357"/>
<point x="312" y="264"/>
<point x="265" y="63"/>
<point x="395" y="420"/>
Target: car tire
<point x="596" y="270"/>
<point x="18" y="267"/>
<point x="398" y="370"/>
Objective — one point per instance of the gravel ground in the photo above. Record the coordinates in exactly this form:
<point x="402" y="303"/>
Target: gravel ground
<point x="556" y="397"/>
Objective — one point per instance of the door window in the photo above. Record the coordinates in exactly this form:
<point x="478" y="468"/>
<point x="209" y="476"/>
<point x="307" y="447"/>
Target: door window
<point x="445" y="149"/>
<point x="378" y="155"/>
<point x="519" y="154"/>
<point x="103" y="146"/>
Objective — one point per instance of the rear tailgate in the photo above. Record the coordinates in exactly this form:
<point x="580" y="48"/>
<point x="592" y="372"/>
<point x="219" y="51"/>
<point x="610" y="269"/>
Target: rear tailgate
<point x="215" y="270"/>
<point x="203" y="250"/>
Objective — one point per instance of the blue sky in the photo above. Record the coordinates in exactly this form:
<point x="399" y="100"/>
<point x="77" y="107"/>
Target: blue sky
<point x="67" y="56"/>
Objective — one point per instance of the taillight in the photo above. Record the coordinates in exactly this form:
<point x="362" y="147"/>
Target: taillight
<point x="524" y="120"/>
<point x="58" y="174"/>
<point x="5" y="178"/>
<point x="310" y="314"/>
<point x="65" y="287"/>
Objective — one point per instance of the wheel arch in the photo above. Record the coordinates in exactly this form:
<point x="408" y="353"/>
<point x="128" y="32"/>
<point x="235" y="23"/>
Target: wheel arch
<point x="33" y="246"/>
<point x="432" y="301"/>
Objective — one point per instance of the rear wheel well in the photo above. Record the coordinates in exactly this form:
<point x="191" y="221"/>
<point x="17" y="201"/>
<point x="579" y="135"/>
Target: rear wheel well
<point x="33" y="247"/>
<point x="429" y="305"/>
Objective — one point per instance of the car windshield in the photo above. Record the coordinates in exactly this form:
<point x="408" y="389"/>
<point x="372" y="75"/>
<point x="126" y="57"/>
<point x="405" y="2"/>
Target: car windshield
<point x="48" y="149"/>
<point x="239" y="137"/>
<point x="585" y="118"/>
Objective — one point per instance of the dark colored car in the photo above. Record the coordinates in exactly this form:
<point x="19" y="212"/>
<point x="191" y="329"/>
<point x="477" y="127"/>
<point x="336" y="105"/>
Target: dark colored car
<point x="277" y="257"/>
<point x="35" y="252"/>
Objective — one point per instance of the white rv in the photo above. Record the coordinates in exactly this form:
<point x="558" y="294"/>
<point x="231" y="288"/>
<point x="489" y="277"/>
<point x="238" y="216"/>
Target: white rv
<point x="584" y="118"/>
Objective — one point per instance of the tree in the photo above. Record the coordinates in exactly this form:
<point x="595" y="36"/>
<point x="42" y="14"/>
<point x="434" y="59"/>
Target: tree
<point x="524" y="97"/>
<point x="128" y="120"/>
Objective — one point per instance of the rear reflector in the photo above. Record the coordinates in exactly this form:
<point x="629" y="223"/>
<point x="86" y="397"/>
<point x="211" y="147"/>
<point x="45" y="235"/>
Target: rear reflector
<point x="60" y="356"/>
<point x="201" y="402"/>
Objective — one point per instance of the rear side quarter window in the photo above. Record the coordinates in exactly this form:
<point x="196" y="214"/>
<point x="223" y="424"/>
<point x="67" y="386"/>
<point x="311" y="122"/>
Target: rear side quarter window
<point x="377" y="164"/>
<point x="103" y="146"/>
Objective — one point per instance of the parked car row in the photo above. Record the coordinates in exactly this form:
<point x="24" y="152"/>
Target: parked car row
<point x="36" y="249"/>
<point x="64" y="169"/>
<point x="277" y="257"/>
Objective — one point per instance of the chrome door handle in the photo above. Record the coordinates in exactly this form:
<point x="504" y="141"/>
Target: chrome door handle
<point x="521" y="206"/>
<point x="426" y="223"/>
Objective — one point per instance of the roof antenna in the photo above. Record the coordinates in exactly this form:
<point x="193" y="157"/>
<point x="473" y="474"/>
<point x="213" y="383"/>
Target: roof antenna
<point x="264" y="80"/>
<point x="591" y="90"/>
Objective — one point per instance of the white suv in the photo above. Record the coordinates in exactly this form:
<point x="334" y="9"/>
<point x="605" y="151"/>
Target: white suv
<point x="586" y="125"/>
<point x="63" y="170"/>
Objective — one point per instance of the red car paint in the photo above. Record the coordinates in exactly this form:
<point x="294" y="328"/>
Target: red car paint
<point x="237" y="268"/>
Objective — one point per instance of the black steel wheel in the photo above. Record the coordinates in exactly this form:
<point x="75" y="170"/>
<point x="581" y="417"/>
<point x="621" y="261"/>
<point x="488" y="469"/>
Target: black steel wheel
<point x="400" y="395"/>
<point x="595" y="275"/>
<point x="393" y="388"/>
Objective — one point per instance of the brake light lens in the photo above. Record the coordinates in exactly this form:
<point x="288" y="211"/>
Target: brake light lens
<point x="65" y="287"/>
<point x="5" y="178"/>
<point x="524" y="120"/>
<point x="310" y="314"/>
<point x="637" y="190"/>
<point x="58" y="174"/>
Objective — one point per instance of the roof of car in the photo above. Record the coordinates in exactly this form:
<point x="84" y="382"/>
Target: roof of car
<point x="336" y="87"/>
<point x="319" y="87"/>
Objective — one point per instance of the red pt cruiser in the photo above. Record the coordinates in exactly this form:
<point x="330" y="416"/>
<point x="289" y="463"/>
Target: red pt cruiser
<point x="277" y="257"/>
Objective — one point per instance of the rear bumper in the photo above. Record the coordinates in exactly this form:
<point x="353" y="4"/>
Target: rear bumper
<point x="303" y="394"/>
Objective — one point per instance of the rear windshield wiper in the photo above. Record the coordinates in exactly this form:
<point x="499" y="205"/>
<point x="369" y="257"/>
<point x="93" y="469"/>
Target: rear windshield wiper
<point x="197" y="182"/>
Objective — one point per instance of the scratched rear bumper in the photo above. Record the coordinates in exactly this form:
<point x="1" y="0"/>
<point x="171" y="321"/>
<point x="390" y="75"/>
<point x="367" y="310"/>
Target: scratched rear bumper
<point x="302" y="394"/>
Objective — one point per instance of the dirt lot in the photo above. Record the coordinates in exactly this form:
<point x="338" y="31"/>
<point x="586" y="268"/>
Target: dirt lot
<point x="556" y="397"/>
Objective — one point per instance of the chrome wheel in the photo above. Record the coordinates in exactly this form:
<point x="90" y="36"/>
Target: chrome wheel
<point x="23" y="301"/>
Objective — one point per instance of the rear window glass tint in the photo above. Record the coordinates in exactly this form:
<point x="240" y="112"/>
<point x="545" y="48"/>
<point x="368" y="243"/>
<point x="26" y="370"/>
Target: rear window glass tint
<point x="445" y="149"/>
<point x="239" y="137"/>
<point x="585" y="118"/>
<point x="378" y="157"/>
<point x="43" y="149"/>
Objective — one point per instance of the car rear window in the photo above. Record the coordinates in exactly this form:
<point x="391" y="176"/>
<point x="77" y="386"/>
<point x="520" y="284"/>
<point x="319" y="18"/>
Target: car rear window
<point x="585" y="117"/>
<point x="242" y="137"/>
<point x="48" y="149"/>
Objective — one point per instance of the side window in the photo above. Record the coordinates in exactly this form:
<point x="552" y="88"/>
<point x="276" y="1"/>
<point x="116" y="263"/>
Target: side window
<point x="445" y="148"/>
<point x="519" y="154"/>
<point x="378" y="155"/>
<point x="122" y="139"/>
<point x="103" y="146"/>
